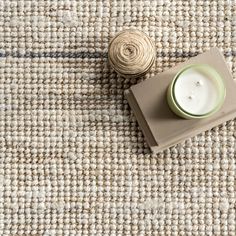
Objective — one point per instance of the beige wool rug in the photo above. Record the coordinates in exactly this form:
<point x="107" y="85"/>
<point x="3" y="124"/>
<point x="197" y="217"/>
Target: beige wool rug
<point x="73" y="160"/>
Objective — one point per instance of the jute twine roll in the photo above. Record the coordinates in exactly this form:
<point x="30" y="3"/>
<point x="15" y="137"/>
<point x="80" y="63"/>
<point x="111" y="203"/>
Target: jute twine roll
<point x="131" y="53"/>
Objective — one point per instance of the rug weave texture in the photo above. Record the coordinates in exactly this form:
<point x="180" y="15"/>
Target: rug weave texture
<point x="72" y="158"/>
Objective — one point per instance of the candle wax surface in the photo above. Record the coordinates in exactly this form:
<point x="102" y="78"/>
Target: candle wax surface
<point x="196" y="92"/>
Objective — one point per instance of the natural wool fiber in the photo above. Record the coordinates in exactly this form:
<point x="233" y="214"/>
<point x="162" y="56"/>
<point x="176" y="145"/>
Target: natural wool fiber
<point x="131" y="53"/>
<point x="73" y="160"/>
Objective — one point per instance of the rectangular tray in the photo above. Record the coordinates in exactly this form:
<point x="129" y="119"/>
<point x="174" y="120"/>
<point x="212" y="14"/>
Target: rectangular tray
<point x="161" y="127"/>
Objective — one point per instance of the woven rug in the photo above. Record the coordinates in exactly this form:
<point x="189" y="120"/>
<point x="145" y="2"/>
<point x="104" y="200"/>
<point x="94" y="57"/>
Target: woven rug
<point x="73" y="160"/>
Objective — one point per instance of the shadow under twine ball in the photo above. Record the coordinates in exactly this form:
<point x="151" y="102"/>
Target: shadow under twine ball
<point x="131" y="53"/>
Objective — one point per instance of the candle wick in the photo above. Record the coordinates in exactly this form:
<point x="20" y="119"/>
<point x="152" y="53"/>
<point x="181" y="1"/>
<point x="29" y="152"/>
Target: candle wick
<point x="199" y="83"/>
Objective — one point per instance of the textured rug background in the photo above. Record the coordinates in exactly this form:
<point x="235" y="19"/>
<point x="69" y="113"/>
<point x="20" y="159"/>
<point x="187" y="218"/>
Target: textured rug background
<point x="73" y="160"/>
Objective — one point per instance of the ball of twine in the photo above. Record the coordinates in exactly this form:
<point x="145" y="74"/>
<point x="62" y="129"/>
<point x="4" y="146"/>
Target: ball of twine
<point x="131" y="53"/>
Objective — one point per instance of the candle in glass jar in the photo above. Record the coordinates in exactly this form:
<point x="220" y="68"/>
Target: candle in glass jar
<point x="196" y="92"/>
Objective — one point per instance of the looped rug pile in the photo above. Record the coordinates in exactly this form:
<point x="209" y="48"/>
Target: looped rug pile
<point x="73" y="160"/>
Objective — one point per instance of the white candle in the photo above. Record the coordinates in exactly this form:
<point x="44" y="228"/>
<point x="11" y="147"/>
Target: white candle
<point x="196" y="92"/>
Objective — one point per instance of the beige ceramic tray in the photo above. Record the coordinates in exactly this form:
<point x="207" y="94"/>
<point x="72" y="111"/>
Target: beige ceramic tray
<point x="161" y="127"/>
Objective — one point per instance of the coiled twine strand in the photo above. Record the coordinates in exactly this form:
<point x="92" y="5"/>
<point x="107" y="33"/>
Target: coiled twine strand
<point x="131" y="53"/>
